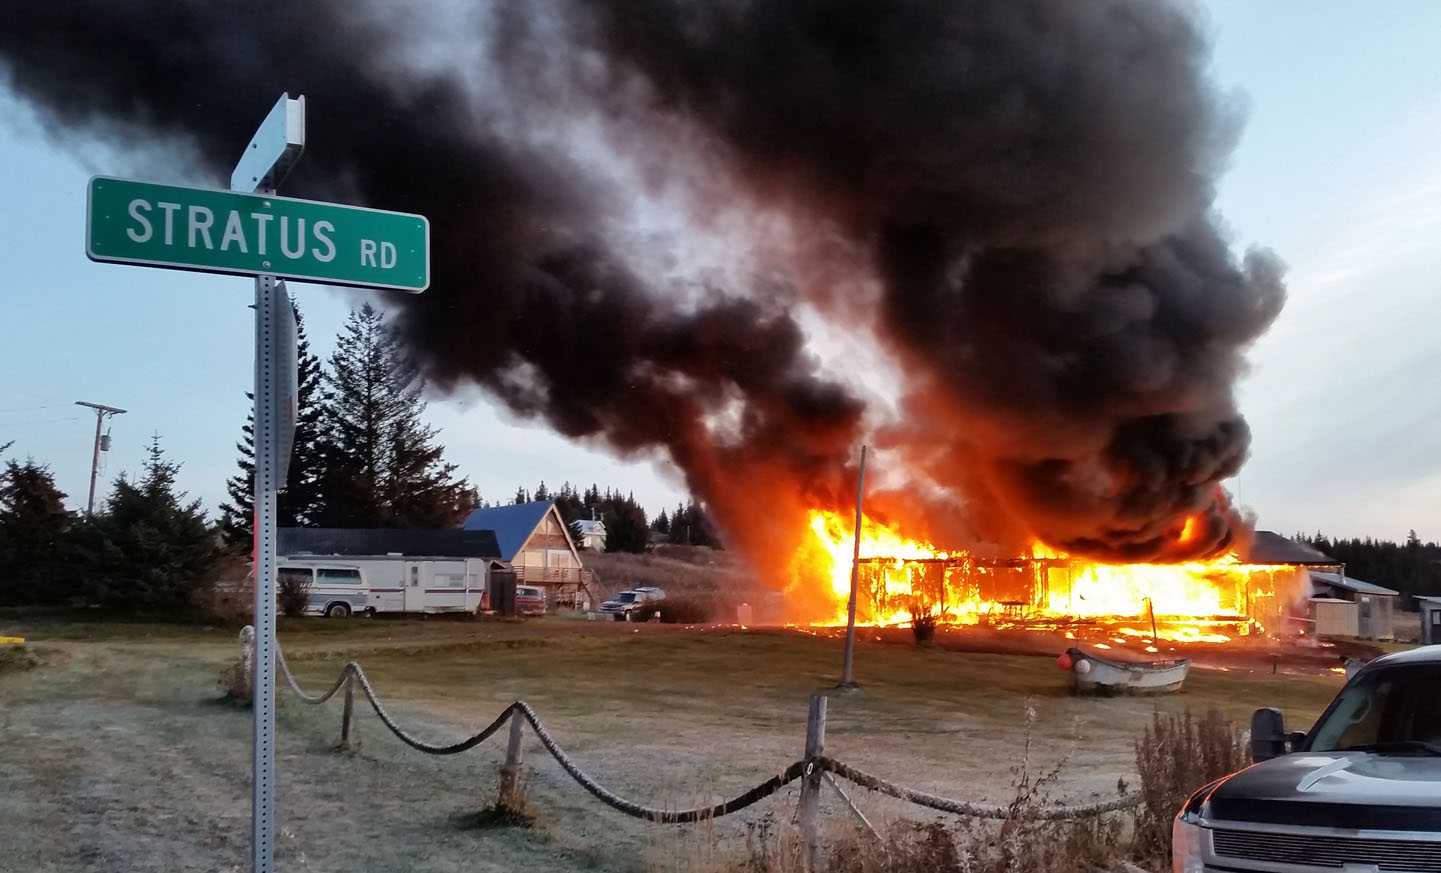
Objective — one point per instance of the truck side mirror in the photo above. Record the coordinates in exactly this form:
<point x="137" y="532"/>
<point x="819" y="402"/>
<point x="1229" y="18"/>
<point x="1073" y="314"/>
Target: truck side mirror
<point x="1268" y="735"/>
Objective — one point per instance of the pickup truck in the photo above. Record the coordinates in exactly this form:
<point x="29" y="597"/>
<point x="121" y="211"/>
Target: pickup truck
<point x="1360" y="792"/>
<point x="624" y="604"/>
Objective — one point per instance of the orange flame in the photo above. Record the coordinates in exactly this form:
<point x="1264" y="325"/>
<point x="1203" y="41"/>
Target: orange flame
<point x="899" y="577"/>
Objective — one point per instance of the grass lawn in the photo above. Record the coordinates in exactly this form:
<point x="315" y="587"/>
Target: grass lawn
<point x="117" y="755"/>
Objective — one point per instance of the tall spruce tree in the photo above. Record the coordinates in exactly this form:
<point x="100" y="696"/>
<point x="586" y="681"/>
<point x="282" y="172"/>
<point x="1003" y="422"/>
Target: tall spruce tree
<point x="298" y="504"/>
<point x="33" y="526"/>
<point x="149" y="551"/>
<point x="382" y="465"/>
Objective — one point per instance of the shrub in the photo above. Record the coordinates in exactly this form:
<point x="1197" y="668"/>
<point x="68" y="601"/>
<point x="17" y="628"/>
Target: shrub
<point x="1176" y="755"/>
<point x="292" y="593"/>
<point x="677" y="609"/>
<point x="923" y="627"/>
<point x="235" y="683"/>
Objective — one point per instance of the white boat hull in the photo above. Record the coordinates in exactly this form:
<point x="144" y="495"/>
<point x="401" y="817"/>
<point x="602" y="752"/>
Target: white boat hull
<point x="1093" y="675"/>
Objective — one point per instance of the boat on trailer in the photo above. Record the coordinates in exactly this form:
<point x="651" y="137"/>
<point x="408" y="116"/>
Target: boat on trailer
<point x="1092" y="674"/>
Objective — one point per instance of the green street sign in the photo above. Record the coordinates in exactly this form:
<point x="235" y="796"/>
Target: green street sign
<point x="255" y="235"/>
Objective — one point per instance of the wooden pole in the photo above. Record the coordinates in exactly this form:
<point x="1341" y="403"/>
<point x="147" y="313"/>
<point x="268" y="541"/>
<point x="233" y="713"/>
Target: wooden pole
<point x="347" y="719"/>
<point x="1155" y="637"/>
<point x="510" y="772"/>
<point x="811" y="787"/>
<point x="848" y="679"/>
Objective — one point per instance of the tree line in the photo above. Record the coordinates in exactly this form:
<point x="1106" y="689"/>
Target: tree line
<point x="1411" y="567"/>
<point x="363" y="457"/>
<point x="627" y="527"/>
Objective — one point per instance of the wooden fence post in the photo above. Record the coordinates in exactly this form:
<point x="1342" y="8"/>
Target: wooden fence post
<point x="247" y="659"/>
<point x="510" y="772"/>
<point x="811" y="786"/>
<point x="347" y="719"/>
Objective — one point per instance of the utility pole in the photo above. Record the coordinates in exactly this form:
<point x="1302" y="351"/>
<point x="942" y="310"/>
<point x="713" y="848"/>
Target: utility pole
<point x="848" y="678"/>
<point x="101" y="411"/>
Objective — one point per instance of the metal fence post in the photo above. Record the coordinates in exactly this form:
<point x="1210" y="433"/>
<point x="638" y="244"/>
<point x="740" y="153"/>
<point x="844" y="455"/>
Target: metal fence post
<point x="510" y="772"/>
<point x="347" y="720"/>
<point x="811" y="786"/>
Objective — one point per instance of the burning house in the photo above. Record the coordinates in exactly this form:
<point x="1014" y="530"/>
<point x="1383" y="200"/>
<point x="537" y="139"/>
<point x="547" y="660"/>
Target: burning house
<point x="1259" y="589"/>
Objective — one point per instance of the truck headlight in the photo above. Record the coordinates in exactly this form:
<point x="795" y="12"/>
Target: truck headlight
<point x="1186" y="846"/>
<point x="1187" y="836"/>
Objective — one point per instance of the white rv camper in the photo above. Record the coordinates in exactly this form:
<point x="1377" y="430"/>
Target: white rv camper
<point x="368" y="585"/>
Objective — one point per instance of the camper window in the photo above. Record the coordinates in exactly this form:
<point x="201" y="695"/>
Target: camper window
<point x="336" y="576"/>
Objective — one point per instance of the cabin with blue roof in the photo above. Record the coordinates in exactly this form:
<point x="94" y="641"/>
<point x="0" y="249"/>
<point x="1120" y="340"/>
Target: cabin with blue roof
<point x="534" y="540"/>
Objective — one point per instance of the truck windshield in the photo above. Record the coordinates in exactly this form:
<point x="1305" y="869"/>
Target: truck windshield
<point x="625" y="597"/>
<point x="1392" y="709"/>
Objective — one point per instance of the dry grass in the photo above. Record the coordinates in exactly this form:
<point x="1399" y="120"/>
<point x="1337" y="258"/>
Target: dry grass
<point x="15" y="657"/>
<point x="652" y="711"/>
<point x="680" y="570"/>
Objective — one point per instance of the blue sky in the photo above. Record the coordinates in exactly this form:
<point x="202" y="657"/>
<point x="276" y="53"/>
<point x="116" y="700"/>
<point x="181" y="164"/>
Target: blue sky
<point x="1338" y="170"/>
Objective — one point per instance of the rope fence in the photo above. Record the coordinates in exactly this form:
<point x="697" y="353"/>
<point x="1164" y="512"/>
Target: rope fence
<point x="809" y="769"/>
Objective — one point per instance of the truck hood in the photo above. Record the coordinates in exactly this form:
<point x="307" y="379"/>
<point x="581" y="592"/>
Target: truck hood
<point x="1362" y="790"/>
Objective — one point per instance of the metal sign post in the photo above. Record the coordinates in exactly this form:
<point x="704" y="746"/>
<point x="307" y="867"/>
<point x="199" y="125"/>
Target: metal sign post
<point x="277" y="145"/>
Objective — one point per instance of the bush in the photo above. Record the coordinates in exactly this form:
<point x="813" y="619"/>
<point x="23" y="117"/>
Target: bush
<point x="1176" y="755"/>
<point x="292" y="593"/>
<point x="677" y="610"/>
<point x="923" y="628"/>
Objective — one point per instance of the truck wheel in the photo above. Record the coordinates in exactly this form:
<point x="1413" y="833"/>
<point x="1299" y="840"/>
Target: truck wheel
<point x="337" y="610"/>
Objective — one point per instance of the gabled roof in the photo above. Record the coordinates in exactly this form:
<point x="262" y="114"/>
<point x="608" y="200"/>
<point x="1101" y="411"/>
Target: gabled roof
<point x="1269" y="547"/>
<point x="1431" y="599"/>
<point x="513" y="524"/>
<point x="386" y="541"/>
<point x="1346" y="582"/>
<point x="591" y="525"/>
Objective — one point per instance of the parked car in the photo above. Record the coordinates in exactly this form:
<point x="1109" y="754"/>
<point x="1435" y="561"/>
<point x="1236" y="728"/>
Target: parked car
<point x="626" y="603"/>
<point x="1360" y="791"/>
<point x="529" y="600"/>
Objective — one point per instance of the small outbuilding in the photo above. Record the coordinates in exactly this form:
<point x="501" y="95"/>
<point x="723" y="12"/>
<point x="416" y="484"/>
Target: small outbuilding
<point x="1375" y="606"/>
<point x="1430" y="619"/>
<point x="1333" y="617"/>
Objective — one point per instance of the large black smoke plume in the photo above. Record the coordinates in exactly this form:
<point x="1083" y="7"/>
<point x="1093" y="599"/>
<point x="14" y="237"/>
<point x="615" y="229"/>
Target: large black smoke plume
<point x="1016" y="193"/>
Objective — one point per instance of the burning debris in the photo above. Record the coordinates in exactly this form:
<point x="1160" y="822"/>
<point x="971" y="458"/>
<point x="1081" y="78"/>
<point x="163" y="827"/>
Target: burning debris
<point x="1010" y="199"/>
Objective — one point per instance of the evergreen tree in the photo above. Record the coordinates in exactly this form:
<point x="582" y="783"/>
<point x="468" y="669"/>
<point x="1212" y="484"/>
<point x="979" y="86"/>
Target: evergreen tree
<point x="382" y="465"/>
<point x="542" y="493"/>
<point x="625" y="526"/>
<point x="150" y="551"/>
<point x="33" y="525"/>
<point x="661" y="525"/>
<point x="299" y="503"/>
<point x="690" y="525"/>
<point x="521" y="496"/>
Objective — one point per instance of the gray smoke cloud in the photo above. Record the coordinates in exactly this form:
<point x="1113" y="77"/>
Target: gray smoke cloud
<point x="1027" y="182"/>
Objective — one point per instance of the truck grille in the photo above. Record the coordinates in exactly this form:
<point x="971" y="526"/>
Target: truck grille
<point x="1391" y="856"/>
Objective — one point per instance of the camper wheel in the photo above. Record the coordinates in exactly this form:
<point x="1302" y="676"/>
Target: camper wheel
<point x="337" y="610"/>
